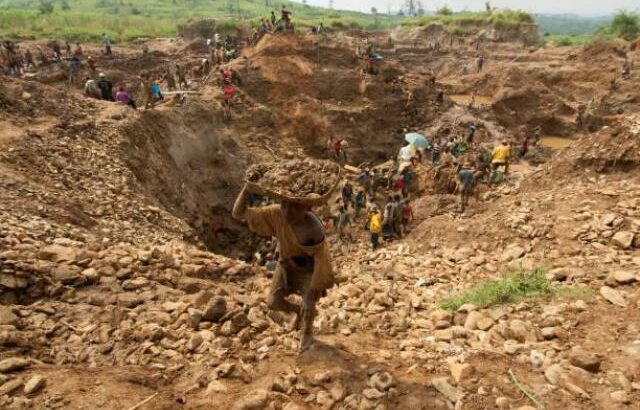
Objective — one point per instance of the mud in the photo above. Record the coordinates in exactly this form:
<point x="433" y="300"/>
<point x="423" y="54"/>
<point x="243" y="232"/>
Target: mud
<point x="555" y="142"/>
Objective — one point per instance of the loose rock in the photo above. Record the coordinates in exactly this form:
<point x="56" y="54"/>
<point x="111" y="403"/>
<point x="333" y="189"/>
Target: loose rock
<point x="34" y="384"/>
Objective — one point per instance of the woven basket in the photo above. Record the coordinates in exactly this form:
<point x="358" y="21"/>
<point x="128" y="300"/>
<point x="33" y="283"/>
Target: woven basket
<point x="313" y="201"/>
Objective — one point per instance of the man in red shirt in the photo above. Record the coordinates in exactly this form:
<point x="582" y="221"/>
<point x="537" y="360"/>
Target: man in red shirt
<point x="407" y="214"/>
<point x="336" y="149"/>
<point x="229" y="92"/>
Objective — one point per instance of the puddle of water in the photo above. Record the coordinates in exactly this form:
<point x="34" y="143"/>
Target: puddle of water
<point x="555" y="142"/>
<point x="465" y="99"/>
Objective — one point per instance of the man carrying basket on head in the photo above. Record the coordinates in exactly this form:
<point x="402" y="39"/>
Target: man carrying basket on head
<point x="305" y="264"/>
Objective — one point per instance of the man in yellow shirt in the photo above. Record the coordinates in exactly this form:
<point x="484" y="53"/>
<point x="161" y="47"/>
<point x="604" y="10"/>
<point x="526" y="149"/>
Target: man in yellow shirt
<point x="375" y="226"/>
<point x="500" y="156"/>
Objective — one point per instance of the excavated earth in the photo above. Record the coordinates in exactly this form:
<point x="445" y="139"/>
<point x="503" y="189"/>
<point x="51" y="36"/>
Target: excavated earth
<point x="123" y="278"/>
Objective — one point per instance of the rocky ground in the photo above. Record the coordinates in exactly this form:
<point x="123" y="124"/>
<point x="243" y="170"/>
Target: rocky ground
<point x="110" y="293"/>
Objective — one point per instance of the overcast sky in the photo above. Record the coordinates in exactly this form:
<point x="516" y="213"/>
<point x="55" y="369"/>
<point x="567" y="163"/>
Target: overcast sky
<point x="588" y="7"/>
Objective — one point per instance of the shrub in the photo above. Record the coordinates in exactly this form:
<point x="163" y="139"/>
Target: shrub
<point x="514" y="288"/>
<point x="625" y="25"/>
<point x="564" y="42"/>
<point x="444" y="11"/>
<point x="45" y="7"/>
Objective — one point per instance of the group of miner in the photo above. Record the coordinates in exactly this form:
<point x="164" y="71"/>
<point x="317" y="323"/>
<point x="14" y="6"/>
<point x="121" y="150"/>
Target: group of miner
<point x="376" y="202"/>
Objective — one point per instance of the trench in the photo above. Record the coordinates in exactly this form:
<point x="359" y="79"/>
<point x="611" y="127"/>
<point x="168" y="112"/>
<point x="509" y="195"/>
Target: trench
<point x="194" y="167"/>
<point x="193" y="163"/>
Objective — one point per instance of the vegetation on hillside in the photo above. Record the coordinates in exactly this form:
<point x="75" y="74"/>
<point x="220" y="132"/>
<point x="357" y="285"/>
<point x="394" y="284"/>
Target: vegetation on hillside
<point x="512" y="288"/>
<point x="622" y="25"/>
<point x="569" y="24"/>
<point x="129" y="19"/>
<point x="445" y="16"/>
<point x="625" y="25"/>
<point x="570" y="40"/>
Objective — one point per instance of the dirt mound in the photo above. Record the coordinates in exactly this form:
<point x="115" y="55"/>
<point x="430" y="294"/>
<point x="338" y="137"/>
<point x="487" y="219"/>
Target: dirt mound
<point x="431" y="32"/>
<point x="283" y="69"/>
<point x="276" y="45"/>
<point x="196" y="47"/>
<point x="602" y="50"/>
<point x="523" y="102"/>
<point x="613" y="148"/>
<point x="27" y="99"/>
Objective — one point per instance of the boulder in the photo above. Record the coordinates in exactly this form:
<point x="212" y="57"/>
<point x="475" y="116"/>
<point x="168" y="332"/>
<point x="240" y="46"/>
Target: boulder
<point x="471" y="322"/>
<point x="11" y="386"/>
<point x="485" y="323"/>
<point x="624" y="277"/>
<point x="57" y="253"/>
<point x="35" y="383"/>
<point x="7" y="317"/>
<point x="461" y="372"/>
<point x="584" y="360"/>
<point x="382" y="381"/>
<point x="554" y="374"/>
<point x="67" y="274"/>
<point x="215" y="310"/>
<point x="195" y="317"/>
<point x="613" y="296"/>
<point x="522" y="332"/>
<point x="256" y="400"/>
<point x="13" y="363"/>
<point x="620" y="396"/>
<point x="372" y="394"/>
<point x="215" y="387"/>
<point x="447" y="390"/>
<point x="513" y="252"/>
<point x="623" y="239"/>
<point x="194" y="342"/>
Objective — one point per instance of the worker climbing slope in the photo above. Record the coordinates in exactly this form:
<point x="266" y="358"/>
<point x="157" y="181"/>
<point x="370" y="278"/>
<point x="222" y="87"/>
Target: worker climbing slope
<point x="305" y="264"/>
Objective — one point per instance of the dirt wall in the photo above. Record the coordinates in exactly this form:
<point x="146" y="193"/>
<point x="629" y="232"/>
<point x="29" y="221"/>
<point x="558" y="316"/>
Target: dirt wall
<point x="194" y="166"/>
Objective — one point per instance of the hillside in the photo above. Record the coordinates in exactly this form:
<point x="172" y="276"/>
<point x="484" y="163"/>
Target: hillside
<point x="570" y="23"/>
<point x="126" y="20"/>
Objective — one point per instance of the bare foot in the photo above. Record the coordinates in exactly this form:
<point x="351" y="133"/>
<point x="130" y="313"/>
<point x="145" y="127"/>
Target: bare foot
<point x="306" y="341"/>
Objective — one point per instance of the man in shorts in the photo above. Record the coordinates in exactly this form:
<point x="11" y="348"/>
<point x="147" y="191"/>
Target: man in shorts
<point x="304" y="265"/>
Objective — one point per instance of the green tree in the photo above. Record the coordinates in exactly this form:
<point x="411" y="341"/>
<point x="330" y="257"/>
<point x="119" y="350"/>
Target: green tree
<point x="64" y="5"/>
<point x="46" y="7"/>
<point x="444" y="11"/>
<point x="626" y="25"/>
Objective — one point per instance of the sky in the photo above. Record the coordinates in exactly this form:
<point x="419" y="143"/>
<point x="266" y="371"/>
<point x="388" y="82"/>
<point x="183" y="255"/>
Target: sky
<point x="585" y="7"/>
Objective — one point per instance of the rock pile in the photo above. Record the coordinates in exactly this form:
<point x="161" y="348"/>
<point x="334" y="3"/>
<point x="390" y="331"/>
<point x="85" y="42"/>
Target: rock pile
<point x="295" y="178"/>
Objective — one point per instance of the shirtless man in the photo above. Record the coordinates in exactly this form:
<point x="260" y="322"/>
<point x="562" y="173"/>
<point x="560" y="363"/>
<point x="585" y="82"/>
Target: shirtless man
<point x="304" y="266"/>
